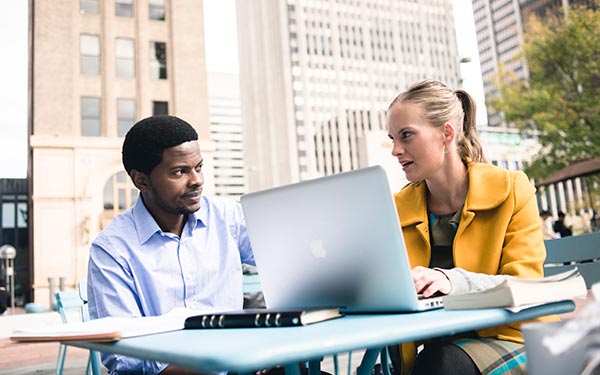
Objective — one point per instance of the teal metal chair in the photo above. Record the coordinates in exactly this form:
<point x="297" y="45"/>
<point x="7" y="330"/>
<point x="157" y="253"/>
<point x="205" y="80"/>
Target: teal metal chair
<point x="251" y="283"/>
<point x="581" y="251"/>
<point x="94" y="359"/>
<point x="72" y="307"/>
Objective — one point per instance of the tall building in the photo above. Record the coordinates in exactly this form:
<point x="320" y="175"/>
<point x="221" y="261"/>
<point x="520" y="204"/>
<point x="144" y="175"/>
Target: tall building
<point x="98" y="66"/>
<point x="499" y="29"/>
<point x="500" y="26"/>
<point x="226" y="131"/>
<point x="317" y="76"/>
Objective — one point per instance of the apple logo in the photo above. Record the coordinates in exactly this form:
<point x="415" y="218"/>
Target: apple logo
<point x="317" y="249"/>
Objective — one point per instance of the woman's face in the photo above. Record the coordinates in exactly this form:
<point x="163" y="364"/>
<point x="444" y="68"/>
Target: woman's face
<point x="418" y="146"/>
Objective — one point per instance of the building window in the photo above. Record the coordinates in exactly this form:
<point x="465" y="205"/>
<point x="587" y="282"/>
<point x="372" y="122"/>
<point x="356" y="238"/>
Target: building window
<point x="119" y="195"/>
<point x="125" y="57"/>
<point x="14" y="215"/>
<point x="160" y="108"/>
<point x="124" y="8"/>
<point x="90" y="116"/>
<point x="125" y="115"/>
<point x="156" y="10"/>
<point x="89" y="48"/>
<point x="88" y="6"/>
<point x="158" y="60"/>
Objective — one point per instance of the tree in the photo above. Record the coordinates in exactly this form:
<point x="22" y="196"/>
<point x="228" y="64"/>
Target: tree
<point x="562" y="96"/>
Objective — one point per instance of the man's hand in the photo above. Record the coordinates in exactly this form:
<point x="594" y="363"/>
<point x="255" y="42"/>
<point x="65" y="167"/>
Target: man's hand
<point x="430" y="281"/>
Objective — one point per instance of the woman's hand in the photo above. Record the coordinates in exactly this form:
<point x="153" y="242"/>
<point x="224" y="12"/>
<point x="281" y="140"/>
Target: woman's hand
<point x="430" y="281"/>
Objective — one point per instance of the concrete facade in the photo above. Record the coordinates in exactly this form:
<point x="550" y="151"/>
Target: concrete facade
<point x="317" y="76"/>
<point x="69" y="171"/>
<point x="226" y="132"/>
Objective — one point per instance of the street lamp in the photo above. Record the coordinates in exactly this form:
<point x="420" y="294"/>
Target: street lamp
<point x="8" y="253"/>
<point x="463" y="60"/>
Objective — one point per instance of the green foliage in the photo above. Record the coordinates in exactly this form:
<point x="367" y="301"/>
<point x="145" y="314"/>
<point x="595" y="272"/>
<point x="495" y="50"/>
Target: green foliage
<point x="562" y="96"/>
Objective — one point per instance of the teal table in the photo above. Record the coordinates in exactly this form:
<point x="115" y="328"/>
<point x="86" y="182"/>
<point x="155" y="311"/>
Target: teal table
<point x="245" y="350"/>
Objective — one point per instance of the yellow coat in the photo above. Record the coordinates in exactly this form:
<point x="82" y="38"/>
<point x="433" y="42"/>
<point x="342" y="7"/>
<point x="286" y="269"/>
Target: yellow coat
<point x="499" y="231"/>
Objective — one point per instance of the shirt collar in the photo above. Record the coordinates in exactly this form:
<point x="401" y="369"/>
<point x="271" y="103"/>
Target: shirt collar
<point x="146" y="226"/>
<point x="489" y="186"/>
<point x="201" y="216"/>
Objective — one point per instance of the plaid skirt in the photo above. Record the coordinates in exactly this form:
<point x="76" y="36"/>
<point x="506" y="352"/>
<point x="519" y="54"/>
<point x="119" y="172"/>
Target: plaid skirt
<point x="493" y="356"/>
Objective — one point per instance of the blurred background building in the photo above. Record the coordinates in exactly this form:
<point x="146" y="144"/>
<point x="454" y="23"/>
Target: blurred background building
<point x="96" y="68"/>
<point x="14" y="200"/>
<point x="317" y="76"/>
<point x="225" y="119"/>
<point x="500" y="26"/>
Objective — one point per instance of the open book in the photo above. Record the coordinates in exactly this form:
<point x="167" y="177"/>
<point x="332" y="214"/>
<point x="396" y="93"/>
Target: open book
<point x="515" y="292"/>
<point x="107" y="329"/>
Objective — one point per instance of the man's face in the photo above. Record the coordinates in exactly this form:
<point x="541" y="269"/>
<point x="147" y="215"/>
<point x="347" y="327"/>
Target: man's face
<point x="175" y="185"/>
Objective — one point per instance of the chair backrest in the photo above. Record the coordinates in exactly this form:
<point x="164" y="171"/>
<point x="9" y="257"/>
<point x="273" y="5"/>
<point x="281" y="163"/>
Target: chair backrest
<point x="582" y="251"/>
<point x="82" y="289"/>
<point x="251" y="283"/>
<point x="69" y="303"/>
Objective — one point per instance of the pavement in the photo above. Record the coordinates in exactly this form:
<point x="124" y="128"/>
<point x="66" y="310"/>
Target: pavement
<point x="35" y="358"/>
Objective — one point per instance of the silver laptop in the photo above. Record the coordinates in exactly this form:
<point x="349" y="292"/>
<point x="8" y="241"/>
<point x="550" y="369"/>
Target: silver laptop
<point x="332" y="241"/>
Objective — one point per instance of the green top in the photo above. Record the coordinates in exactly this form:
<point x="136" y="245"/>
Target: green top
<point x="442" y="229"/>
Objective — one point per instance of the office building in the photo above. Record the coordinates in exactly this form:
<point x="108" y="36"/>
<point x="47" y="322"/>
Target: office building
<point x="98" y="66"/>
<point x="226" y="131"/>
<point x="499" y="29"/>
<point x="317" y="76"/>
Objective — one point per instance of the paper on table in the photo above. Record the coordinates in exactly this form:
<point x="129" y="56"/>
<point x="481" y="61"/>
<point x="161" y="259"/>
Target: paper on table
<point x="109" y="328"/>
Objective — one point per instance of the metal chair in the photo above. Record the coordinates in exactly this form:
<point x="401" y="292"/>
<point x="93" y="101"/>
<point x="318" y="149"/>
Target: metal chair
<point x="94" y="359"/>
<point x="72" y="306"/>
<point x="581" y="251"/>
<point x="251" y="283"/>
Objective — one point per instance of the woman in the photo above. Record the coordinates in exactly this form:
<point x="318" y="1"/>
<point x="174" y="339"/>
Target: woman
<point x="463" y="220"/>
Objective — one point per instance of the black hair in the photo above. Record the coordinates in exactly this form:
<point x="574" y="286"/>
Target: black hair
<point x="147" y="139"/>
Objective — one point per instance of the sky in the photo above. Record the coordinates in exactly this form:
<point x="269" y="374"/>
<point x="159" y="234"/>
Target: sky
<point x="221" y="56"/>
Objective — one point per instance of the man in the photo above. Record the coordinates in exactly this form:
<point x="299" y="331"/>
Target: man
<point x="547" y="230"/>
<point x="174" y="247"/>
<point x="560" y="227"/>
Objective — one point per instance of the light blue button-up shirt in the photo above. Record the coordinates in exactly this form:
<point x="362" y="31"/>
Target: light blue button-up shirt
<point x="136" y="269"/>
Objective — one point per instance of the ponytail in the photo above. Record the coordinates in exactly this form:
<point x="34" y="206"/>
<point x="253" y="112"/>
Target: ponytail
<point x="468" y="143"/>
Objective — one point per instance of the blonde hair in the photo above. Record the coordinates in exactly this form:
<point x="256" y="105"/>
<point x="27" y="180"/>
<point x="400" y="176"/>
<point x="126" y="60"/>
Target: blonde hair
<point x="440" y="105"/>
